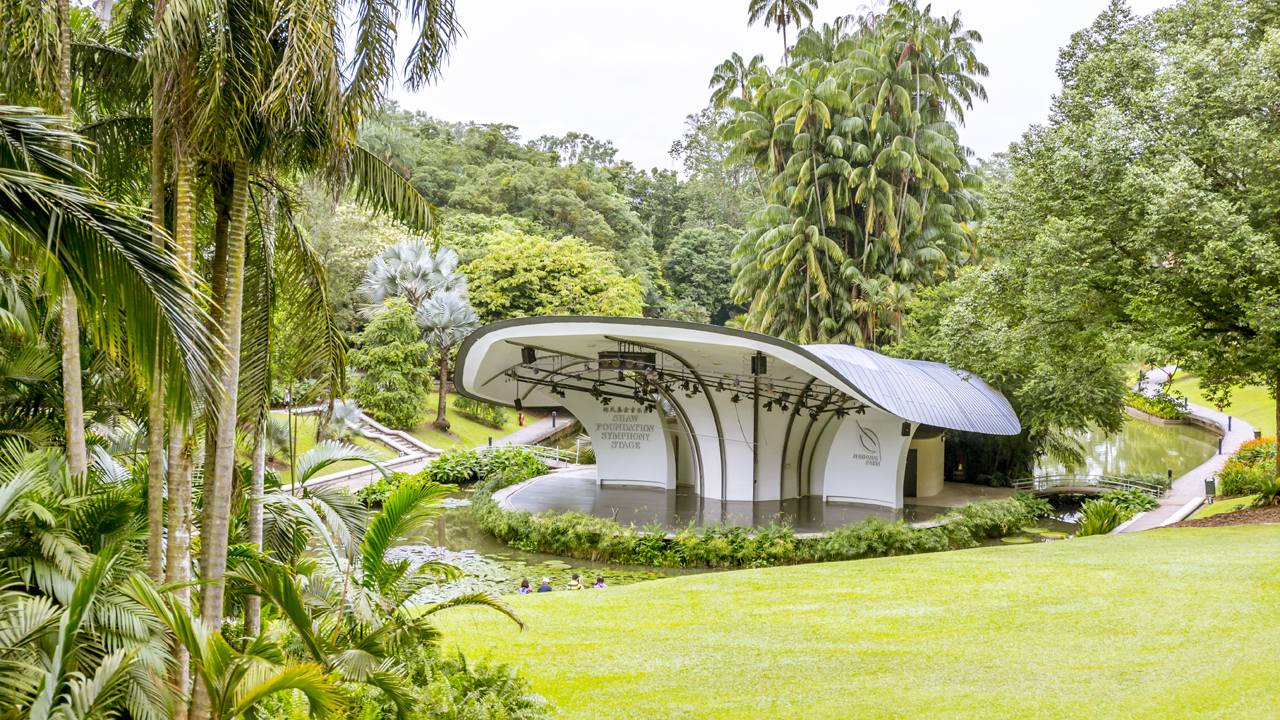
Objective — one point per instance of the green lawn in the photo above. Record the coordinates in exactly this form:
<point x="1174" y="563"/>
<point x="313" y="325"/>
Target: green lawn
<point x="307" y="440"/>
<point x="471" y="433"/>
<point x="1252" y="404"/>
<point x="1224" y="506"/>
<point x="1160" y="624"/>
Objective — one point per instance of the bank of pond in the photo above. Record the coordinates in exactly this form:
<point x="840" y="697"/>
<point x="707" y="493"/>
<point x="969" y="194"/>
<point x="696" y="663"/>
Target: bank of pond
<point x="497" y="548"/>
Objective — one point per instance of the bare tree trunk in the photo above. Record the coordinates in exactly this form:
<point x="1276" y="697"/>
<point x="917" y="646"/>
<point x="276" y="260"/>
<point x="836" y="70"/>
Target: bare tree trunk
<point x="442" y="422"/>
<point x="253" y="603"/>
<point x="1278" y="426"/>
<point x="217" y="495"/>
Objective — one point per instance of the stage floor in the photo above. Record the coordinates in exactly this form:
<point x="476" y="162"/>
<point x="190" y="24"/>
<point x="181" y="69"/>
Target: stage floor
<point x="577" y="490"/>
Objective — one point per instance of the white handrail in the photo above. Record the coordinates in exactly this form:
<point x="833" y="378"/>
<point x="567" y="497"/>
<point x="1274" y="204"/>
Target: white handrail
<point x="1049" y="482"/>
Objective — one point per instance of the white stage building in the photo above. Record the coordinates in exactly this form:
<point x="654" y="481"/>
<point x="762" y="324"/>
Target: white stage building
<point x="733" y="415"/>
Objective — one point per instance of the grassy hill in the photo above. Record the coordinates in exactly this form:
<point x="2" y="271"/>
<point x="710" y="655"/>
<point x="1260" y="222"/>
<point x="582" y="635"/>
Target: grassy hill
<point x="1161" y="624"/>
<point x="1252" y="404"/>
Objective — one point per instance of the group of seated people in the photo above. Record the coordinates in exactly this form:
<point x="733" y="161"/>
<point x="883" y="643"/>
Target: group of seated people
<point x="574" y="584"/>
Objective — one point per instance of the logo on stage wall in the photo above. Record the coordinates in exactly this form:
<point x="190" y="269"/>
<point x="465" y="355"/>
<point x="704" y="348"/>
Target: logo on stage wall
<point x="870" y="443"/>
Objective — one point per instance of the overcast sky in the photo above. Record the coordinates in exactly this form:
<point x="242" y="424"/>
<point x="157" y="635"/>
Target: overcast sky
<point x="631" y="71"/>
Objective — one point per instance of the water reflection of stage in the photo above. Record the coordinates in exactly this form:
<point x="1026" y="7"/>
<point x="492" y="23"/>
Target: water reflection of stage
<point x="576" y="490"/>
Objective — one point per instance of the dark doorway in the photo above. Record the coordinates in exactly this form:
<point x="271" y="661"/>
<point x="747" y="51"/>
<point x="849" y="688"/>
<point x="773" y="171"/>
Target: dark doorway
<point x="909" y="479"/>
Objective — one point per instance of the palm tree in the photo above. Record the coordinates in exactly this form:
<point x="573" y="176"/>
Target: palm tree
<point x="345" y="418"/>
<point x="355" y="612"/>
<point x="446" y="319"/>
<point x="413" y="271"/>
<point x="781" y="13"/>
<point x="270" y="97"/>
<point x="101" y="249"/>
<point x="235" y="682"/>
<point x="734" y="76"/>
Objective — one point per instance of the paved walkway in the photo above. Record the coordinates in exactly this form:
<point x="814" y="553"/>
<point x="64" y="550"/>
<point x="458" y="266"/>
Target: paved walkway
<point x="535" y="431"/>
<point x="1190" y="487"/>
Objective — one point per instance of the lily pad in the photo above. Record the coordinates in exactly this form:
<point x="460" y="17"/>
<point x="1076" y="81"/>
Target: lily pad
<point x="1054" y="535"/>
<point x="1016" y="540"/>
<point x="1035" y="530"/>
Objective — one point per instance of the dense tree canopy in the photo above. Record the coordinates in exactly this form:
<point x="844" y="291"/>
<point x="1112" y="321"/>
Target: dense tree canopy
<point x="698" y="268"/>
<point x="1154" y="185"/>
<point x="524" y="275"/>
<point x="868" y="189"/>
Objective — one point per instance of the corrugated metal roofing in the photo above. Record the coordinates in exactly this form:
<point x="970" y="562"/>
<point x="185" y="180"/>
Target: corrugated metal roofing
<point x="923" y="392"/>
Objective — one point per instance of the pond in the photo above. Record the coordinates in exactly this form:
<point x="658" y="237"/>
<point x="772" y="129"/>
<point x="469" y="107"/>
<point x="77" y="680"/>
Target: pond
<point x="493" y="566"/>
<point x="1141" y="448"/>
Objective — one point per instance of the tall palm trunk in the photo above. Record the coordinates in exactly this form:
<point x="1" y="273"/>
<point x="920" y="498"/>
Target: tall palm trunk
<point x="155" y="409"/>
<point x="72" y="391"/>
<point x="217" y="291"/>
<point x="442" y="422"/>
<point x="253" y="603"/>
<point x="217" y="494"/>
<point x="178" y="557"/>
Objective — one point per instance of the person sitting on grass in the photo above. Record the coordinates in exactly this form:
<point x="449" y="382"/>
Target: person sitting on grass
<point x="545" y="586"/>
<point x="575" y="583"/>
<point x="524" y="587"/>
<point x="599" y="583"/>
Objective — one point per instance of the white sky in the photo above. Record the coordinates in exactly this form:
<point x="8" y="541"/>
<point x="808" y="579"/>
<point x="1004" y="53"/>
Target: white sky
<point x="631" y="71"/>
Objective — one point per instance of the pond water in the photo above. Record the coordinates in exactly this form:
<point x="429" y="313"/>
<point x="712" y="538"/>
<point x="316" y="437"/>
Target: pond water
<point x="492" y="566"/>
<point x="1141" y="447"/>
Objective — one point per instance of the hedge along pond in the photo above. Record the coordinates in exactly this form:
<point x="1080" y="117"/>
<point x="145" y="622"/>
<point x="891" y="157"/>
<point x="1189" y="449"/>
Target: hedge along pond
<point x="498" y="548"/>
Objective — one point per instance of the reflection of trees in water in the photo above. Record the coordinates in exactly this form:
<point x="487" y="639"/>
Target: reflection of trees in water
<point x="1141" y="447"/>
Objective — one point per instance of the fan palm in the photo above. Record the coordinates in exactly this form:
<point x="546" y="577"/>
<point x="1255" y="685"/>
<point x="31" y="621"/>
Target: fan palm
<point x="781" y="13"/>
<point x="346" y="418"/>
<point x="446" y="319"/>
<point x="414" y="271"/>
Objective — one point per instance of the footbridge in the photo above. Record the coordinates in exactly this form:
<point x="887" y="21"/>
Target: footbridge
<point x="1083" y="485"/>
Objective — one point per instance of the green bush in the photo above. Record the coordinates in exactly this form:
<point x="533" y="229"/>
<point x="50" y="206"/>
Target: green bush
<point x="512" y="462"/>
<point x="483" y="413"/>
<point x="1164" y="405"/>
<point x="396" y="365"/>
<point x="585" y="536"/>
<point x="455" y="467"/>
<point x="1130" y="502"/>
<point x="1099" y="517"/>
<point x="586" y="450"/>
<point x="1160" y="480"/>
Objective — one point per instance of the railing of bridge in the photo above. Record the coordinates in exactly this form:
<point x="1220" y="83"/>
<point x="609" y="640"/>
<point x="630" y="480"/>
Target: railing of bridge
<point x="1103" y="482"/>
<point x="564" y="456"/>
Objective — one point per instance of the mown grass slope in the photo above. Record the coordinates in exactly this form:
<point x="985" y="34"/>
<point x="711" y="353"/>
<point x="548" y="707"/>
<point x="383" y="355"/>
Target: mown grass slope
<point x="1161" y="624"/>
<point x="1252" y="404"/>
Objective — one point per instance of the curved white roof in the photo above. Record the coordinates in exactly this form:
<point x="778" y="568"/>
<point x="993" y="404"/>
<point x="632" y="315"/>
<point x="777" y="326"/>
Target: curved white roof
<point x="922" y="392"/>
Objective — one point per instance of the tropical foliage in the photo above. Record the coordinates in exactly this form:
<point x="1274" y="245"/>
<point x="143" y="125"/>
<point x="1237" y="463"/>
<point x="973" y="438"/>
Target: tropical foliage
<point x="868" y="190"/>
<point x="396" y="366"/>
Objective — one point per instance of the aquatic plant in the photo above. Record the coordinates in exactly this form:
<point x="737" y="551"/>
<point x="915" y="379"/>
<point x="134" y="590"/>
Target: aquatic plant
<point x="1099" y="517"/>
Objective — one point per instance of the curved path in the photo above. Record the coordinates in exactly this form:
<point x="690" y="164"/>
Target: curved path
<point x="1190" y="487"/>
